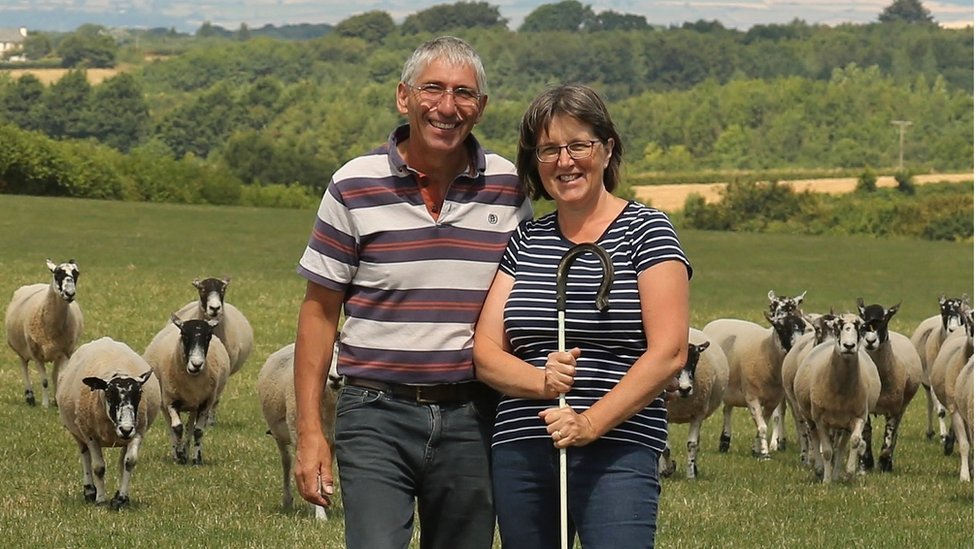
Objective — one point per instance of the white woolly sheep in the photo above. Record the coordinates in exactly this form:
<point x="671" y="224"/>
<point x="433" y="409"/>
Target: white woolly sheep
<point x="276" y="389"/>
<point x="952" y="358"/>
<point x="107" y="397"/>
<point x="701" y="385"/>
<point x="964" y="411"/>
<point x="44" y="324"/>
<point x="900" y="370"/>
<point x="755" y="355"/>
<point x="927" y="339"/>
<point x="824" y="326"/>
<point x="836" y="386"/>
<point x="192" y="367"/>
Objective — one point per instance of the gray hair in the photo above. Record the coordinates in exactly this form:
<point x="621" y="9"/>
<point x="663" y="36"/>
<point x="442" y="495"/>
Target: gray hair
<point x="451" y="49"/>
<point x="583" y="104"/>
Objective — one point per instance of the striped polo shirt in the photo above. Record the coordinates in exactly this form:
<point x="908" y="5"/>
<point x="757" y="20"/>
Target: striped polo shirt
<point x="610" y="341"/>
<point x="414" y="286"/>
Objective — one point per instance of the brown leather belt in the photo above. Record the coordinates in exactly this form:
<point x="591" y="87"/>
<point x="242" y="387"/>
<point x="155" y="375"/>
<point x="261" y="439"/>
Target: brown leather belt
<point x="424" y="394"/>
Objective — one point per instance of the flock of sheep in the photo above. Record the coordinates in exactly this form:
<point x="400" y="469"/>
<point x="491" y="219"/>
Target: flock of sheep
<point x="833" y="372"/>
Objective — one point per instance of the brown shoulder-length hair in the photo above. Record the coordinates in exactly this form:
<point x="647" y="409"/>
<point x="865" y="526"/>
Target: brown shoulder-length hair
<point x="583" y="104"/>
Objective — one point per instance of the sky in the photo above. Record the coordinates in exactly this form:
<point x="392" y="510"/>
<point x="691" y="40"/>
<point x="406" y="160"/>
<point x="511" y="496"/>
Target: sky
<point x="188" y="15"/>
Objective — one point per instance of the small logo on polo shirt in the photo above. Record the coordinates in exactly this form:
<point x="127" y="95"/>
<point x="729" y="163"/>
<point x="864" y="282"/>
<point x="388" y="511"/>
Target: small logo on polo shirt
<point x="492" y="219"/>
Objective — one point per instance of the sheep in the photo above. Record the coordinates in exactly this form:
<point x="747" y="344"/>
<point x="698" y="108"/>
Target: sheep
<point x="755" y="355"/>
<point x="836" y="386"/>
<point x="192" y="367"/>
<point x="900" y="370"/>
<point x="927" y="339"/>
<point x="234" y="330"/>
<point x="701" y="384"/>
<point x="44" y="324"/>
<point x="107" y="397"/>
<point x="964" y="411"/>
<point x="276" y="390"/>
<point x="783" y="305"/>
<point x="823" y="327"/>
<point x="952" y="358"/>
<point x="780" y="306"/>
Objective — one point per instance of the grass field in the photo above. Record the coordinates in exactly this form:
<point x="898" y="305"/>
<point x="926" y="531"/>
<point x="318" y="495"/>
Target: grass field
<point x="137" y="261"/>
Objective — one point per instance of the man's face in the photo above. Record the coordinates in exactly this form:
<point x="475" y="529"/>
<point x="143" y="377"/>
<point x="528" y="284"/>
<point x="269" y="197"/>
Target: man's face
<point x="440" y="125"/>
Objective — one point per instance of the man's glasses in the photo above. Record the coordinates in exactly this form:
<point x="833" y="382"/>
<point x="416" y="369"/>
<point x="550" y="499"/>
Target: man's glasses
<point x="577" y="150"/>
<point x="433" y="93"/>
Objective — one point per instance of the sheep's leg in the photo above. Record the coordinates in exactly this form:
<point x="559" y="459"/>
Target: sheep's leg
<point x="725" y="440"/>
<point x="946" y="436"/>
<point x="867" y="460"/>
<point x="28" y="387"/>
<point x="777" y="438"/>
<point x="286" y="496"/>
<point x="128" y="458"/>
<point x="842" y="443"/>
<point x="176" y="435"/>
<point x="666" y="465"/>
<point x="802" y="435"/>
<point x="42" y="371"/>
<point x="88" y="485"/>
<point x="694" y="430"/>
<point x="887" y="457"/>
<point x="929" y="412"/>
<point x="826" y="455"/>
<point x="200" y="419"/>
<point x="98" y="469"/>
<point x="56" y="368"/>
<point x="960" y="428"/>
<point x="760" y="447"/>
<point x="856" y="441"/>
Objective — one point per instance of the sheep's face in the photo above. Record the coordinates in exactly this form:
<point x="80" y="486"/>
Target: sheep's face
<point x="780" y="306"/>
<point x="195" y="336"/>
<point x="825" y="326"/>
<point x="65" y="278"/>
<point x="951" y="310"/>
<point x="212" y="292"/>
<point x="848" y="334"/>
<point x="121" y="398"/>
<point x="874" y="331"/>
<point x="788" y="328"/>
<point x="686" y="378"/>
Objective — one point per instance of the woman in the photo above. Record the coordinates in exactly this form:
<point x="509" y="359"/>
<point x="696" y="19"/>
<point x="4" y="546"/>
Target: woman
<point x="618" y="362"/>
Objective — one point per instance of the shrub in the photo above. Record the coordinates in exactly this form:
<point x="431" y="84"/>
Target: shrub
<point x="906" y="183"/>
<point x="867" y="182"/>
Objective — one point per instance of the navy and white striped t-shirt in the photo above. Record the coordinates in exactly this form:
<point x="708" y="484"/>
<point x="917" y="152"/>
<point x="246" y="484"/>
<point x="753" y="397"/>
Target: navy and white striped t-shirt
<point x="611" y="341"/>
<point x="414" y="286"/>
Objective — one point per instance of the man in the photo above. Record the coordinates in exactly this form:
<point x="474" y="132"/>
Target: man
<point x="406" y="242"/>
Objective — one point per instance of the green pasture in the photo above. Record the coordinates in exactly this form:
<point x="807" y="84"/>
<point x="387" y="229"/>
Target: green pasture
<point x="137" y="261"/>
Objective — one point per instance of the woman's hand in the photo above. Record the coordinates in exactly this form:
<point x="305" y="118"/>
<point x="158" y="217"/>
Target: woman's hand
<point x="560" y="371"/>
<point x="567" y="428"/>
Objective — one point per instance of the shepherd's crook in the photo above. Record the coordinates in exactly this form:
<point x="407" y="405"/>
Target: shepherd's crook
<point x="602" y="304"/>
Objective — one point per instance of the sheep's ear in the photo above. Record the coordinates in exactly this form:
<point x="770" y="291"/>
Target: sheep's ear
<point x="51" y="266"/>
<point x="226" y="281"/>
<point x="771" y="295"/>
<point x="799" y="298"/>
<point x="704" y="346"/>
<point x="197" y="284"/>
<point x="860" y="306"/>
<point x="95" y="383"/>
<point x="942" y="298"/>
<point x="145" y="377"/>
<point x="176" y="320"/>
<point x="892" y="310"/>
<point x="768" y="318"/>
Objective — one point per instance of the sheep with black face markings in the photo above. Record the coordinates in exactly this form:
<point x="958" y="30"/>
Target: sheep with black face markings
<point x="192" y="367"/>
<point x="107" y="397"/>
<point x="755" y="355"/>
<point x="927" y="339"/>
<point x="836" y="386"/>
<point x="952" y="358"/>
<point x="276" y="390"/>
<point x="233" y="328"/>
<point x="701" y="384"/>
<point x="44" y="324"/>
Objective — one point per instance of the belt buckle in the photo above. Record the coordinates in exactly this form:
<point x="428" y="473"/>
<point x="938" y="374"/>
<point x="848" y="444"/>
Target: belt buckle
<point x="419" y="396"/>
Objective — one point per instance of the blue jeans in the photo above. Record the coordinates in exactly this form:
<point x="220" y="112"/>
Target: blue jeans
<point x="392" y="453"/>
<point x="613" y="494"/>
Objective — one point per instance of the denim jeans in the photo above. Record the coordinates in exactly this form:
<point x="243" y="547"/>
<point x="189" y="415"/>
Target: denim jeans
<point x="392" y="453"/>
<point x="613" y="494"/>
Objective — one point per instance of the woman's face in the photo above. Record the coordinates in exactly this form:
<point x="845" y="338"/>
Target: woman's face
<point x="571" y="180"/>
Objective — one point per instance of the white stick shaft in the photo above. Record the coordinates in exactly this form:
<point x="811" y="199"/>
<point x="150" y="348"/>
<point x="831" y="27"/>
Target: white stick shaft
<point x="563" y="466"/>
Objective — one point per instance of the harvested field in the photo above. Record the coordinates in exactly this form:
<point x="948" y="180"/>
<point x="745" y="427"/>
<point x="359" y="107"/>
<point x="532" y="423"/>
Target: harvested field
<point x="671" y="198"/>
<point x="50" y="76"/>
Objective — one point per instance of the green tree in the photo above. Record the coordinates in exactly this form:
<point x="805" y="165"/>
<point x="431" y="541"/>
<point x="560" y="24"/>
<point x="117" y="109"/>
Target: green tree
<point x="202" y="125"/>
<point x="65" y="108"/>
<point x="37" y="45"/>
<point x="89" y="46"/>
<point x="461" y="15"/>
<point x="372" y="26"/>
<point x="906" y="11"/>
<point x="243" y="33"/>
<point x="568" y="15"/>
<point x="119" y="114"/>
<point x="611" y="21"/>
<point x="21" y="101"/>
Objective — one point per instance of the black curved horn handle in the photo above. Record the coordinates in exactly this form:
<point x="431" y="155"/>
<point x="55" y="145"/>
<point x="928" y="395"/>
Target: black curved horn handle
<point x="562" y="272"/>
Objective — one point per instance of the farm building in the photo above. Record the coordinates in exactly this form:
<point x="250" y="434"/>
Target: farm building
<point x="10" y="40"/>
